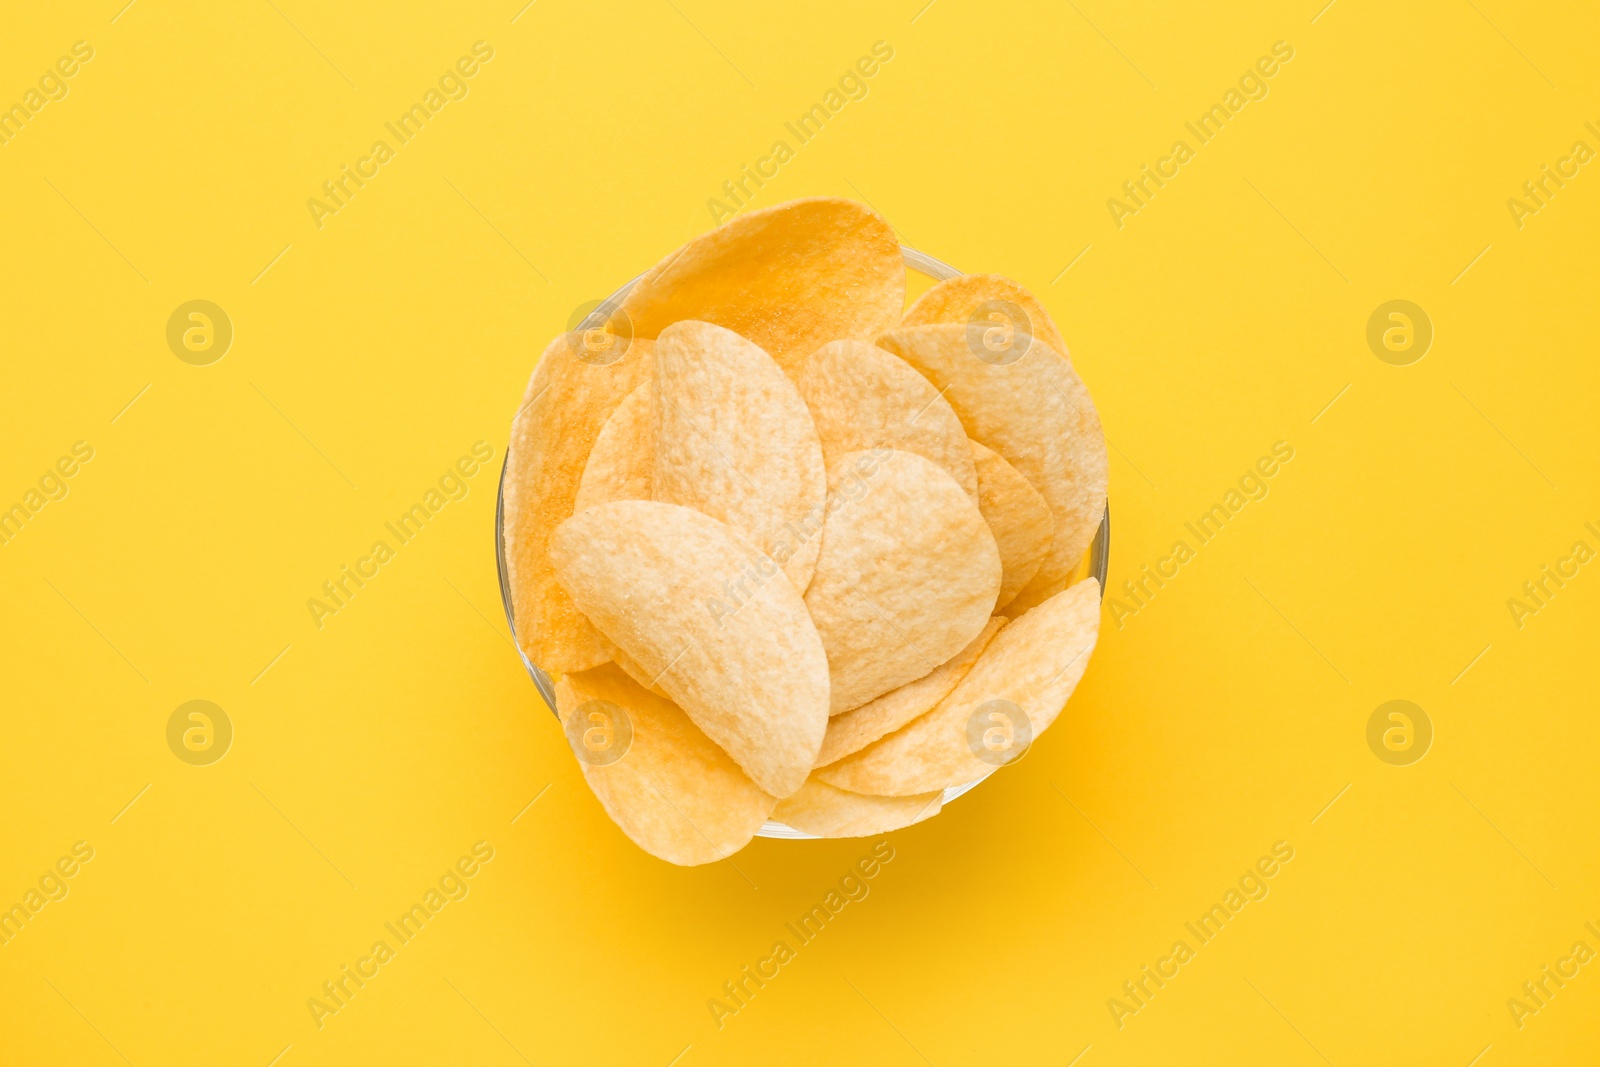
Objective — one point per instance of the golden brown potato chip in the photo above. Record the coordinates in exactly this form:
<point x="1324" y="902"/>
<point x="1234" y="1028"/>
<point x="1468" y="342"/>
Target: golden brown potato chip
<point x="1016" y="514"/>
<point x="704" y="612"/>
<point x="1035" y="412"/>
<point x="857" y="728"/>
<point x="677" y="795"/>
<point x="789" y="278"/>
<point x="619" y="464"/>
<point x="907" y="575"/>
<point x="733" y="439"/>
<point x="630" y="668"/>
<point x="1011" y="696"/>
<point x="820" y="809"/>
<point x="987" y="300"/>
<point x="574" y="388"/>
<point x="862" y="397"/>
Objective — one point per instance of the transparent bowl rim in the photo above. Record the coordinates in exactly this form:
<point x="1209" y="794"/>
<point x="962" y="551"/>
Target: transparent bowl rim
<point x="922" y="263"/>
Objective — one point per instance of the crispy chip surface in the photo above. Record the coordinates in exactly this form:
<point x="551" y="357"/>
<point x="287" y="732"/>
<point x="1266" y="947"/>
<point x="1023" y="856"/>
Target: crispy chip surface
<point x="703" y="611"/>
<point x="862" y="397"/>
<point x="1032" y="666"/>
<point x="673" y="791"/>
<point x="630" y="668"/>
<point x="623" y="454"/>
<point x="733" y="439"/>
<point x="1017" y="515"/>
<point x="820" y="809"/>
<point x="789" y="278"/>
<point x="572" y="392"/>
<point x="985" y="298"/>
<point x="907" y="575"/>
<point x="1036" y="413"/>
<point x="823" y="539"/>
<point x="859" y="727"/>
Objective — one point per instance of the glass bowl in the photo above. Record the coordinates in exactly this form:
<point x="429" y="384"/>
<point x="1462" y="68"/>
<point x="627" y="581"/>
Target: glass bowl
<point x="1095" y="564"/>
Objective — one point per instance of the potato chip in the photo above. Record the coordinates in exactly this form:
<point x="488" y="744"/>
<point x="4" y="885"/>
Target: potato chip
<point x="862" y="397"/>
<point x="704" y="612"/>
<point x="987" y="299"/>
<point x="822" y="810"/>
<point x="630" y="668"/>
<point x="789" y="278"/>
<point x="907" y="575"/>
<point x="1035" y="412"/>
<point x="619" y="464"/>
<point x="857" y="728"/>
<point x="733" y="439"/>
<point x="1011" y="696"/>
<point x="1017" y="515"/>
<point x="574" y="389"/>
<point x="825" y="541"/>
<point x="677" y="795"/>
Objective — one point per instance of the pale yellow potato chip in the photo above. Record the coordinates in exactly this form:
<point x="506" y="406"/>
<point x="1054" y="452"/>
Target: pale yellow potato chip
<point x="670" y="789"/>
<point x="862" y="397"/>
<point x="712" y="619"/>
<point x="1017" y="515"/>
<point x="789" y="278"/>
<point x="573" y="390"/>
<point x="620" y="462"/>
<point x="1037" y="414"/>
<point x="986" y="300"/>
<point x="907" y="575"/>
<point x="820" y="809"/>
<point x="732" y="438"/>
<point x="1027" y="673"/>
<point x="630" y="668"/>
<point x="857" y="728"/>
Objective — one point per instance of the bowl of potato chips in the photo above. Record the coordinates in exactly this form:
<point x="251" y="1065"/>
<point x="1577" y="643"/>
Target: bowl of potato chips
<point x="788" y="558"/>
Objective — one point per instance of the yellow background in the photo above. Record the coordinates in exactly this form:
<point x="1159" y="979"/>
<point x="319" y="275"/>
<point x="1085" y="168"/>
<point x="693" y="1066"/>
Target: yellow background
<point x="1224" y="716"/>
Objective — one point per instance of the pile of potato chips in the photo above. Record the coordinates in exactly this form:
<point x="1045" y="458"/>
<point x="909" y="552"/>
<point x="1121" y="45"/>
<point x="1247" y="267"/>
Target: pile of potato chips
<point x="794" y="551"/>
